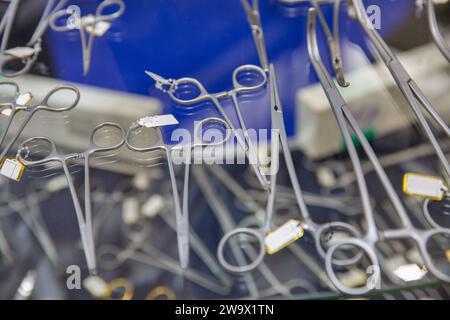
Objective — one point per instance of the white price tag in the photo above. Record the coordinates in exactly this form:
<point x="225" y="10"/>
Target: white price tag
<point x="20" y="52"/>
<point x="158" y="121"/>
<point x="424" y="186"/>
<point x="410" y="272"/>
<point x="12" y="169"/>
<point x="24" y="99"/>
<point x="94" y="27"/>
<point x="283" y="236"/>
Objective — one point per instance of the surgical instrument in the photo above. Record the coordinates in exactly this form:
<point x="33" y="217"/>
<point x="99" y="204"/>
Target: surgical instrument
<point x="161" y="292"/>
<point x="7" y="23"/>
<point x="182" y="220"/>
<point x="409" y="88"/>
<point x="306" y="223"/>
<point x="246" y="79"/>
<point x="227" y="224"/>
<point x="29" y="53"/>
<point x="254" y="20"/>
<point x="373" y="235"/>
<point x="333" y="40"/>
<point x="89" y="26"/>
<point x="139" y="250"/>
<point x="434" y="28"/>
<point x="102" y="140"/>
<point x="18" y="102"/>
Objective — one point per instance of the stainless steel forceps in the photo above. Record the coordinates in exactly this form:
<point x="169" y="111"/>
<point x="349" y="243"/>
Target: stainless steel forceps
<point x="367" y="243"/>
<point x="434" y="28"/>
<point x="41" y="150"/>
<point x="90" y="26"/>
<point x="246" y="79"/>
<point x="28" y="54"/>
<point x="406" y="84"/>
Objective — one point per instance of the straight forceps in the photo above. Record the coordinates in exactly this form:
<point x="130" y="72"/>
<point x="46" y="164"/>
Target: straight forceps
<point x="318" y="231"/>
<point x="366" y="243"/>
<point x="17" y="102"/>
<point x="182" y="220"/>
<point x="41" y="150"/>
<point x="254" y="20"/>
<point x="90" y="26"/>
<point x="407" y="85"/>
<point x="28" y="54"/>
<point x="333" y="40"/>
<point x="246" y="79"/>
<point x="434" y="28"/>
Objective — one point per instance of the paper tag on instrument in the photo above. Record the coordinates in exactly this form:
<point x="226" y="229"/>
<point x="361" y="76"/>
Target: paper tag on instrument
<point x="20" y="52"/>
<point x="12" y="169"/>
<point x="158" y="121"/>
<point x="153" y="206"/>
<point x="410" y="272"/>
<point x="447" y="254"/>
<point x="283" y="236"/>
<point x="24" y="99"/>
<point x="95" y="285"/>
<point x="424" y="186"/>
<point x="95" y="28"/>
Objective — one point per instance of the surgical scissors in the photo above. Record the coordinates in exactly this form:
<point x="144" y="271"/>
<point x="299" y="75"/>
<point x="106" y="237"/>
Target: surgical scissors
<point x="434" y="28"/>
<point x="17" y="102"/>
<point x="254" y="20"/>
<point x="246" y="79"/>
<point x="102" y="140"/>
<point x="94" y="25"/>
<point x="409" y="88"/>
<point x="372" y="236"/>
<point x="29" y="53"/>
<point x="279" y="135"/>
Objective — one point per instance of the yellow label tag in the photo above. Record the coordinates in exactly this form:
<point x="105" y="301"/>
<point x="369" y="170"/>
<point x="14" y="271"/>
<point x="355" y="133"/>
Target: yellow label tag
<point x="283" y="236"/>
<point x="424" y="186"/>
<point x="12" y="169"/>
<point x="447" y="253"/>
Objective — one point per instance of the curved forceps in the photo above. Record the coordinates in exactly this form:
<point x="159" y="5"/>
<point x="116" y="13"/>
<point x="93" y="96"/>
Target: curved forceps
<point x="279" y="135"/>
<point x="170" y="86"/>
<point x="87" y="25"/>
<point x="406" y="84"/>
<point x="254" y="20"/>
<point x="29" y="53"/>
<point x="434" y="28"/>
<point x="366" y="243"/>
<point x="15" y="107"/>
<point x="84" y="220"/>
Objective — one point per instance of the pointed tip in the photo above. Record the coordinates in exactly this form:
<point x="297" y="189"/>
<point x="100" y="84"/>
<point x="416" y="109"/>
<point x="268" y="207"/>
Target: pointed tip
<point x="154" y="76"/>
